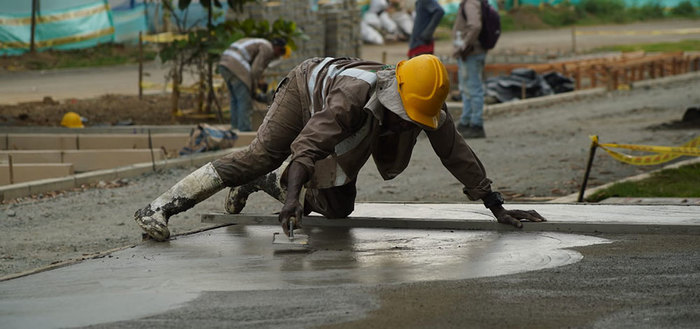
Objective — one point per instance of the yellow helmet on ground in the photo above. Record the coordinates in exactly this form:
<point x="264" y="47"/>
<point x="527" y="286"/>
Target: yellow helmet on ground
<point x="72" y="120"/>
<point x="423" y="86"/>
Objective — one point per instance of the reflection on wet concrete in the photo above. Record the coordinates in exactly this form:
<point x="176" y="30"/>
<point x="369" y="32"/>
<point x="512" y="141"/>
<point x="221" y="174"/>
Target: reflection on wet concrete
<point x="155" y="277"/>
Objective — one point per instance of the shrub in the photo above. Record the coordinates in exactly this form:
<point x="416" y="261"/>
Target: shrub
<point x="608" y="10"/>
<point x="646" y="12"/>
<point x="684" y="9"/>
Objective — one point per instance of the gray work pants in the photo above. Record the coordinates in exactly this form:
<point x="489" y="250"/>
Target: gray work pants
<point x="271" y="146"/>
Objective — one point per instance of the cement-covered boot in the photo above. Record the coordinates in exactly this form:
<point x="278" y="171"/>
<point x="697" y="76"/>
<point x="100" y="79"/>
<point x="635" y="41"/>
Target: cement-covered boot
<point x="270" y="184"/>
<point x="196" y="187"/>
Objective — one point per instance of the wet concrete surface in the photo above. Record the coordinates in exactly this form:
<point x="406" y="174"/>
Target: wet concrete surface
<point x="238" y="266"/>
<point x="567" y="218"/>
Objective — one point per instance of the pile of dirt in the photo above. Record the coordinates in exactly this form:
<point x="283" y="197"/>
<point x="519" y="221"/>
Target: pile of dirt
<point x="107" y="110"/>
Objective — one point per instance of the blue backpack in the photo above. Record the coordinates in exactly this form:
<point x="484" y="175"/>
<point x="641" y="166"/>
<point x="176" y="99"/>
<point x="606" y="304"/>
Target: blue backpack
<point x="490" y="24"/>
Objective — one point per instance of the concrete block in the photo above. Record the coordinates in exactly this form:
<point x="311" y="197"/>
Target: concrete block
<point x="51" y="184"/>
<point x="42" y="141"/>
<point x="87" y="178"/>
<point x="3" y="141"/>
<point x="135" y="170"/>
<point x="112" y="141"/>
<point x="87" y="160"/>
<point x="9" y="192"/>
<point x="171" y="143"/>
<point x="31" y="156"/>
<point x="25" y="172"/>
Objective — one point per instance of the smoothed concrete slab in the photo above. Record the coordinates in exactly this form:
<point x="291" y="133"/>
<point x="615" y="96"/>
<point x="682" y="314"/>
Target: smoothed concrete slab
<point x="153" y="278"/>
<point x="590" y="218"/>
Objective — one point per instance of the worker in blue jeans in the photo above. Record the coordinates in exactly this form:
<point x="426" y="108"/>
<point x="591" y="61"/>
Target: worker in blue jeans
<point x="242" y="66"/>
<point x="240" y="104"/>
<point x="471" y="86"/>
<point x="471" y="58"/>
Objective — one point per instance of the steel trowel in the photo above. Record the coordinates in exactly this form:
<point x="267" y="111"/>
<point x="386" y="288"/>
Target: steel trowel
<point x="282" y="242"/>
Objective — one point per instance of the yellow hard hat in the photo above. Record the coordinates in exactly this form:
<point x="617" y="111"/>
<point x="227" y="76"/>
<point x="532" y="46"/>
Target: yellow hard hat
<point x="72" y="120"/>
<point x="423" y="86"/>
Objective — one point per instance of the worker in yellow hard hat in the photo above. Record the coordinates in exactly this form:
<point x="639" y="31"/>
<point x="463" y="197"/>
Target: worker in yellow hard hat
<point x="328" y="117"/>
<point x="72" y="120"/>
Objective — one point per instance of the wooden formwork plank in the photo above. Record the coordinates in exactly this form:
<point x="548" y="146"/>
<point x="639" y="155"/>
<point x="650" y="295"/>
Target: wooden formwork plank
<point x="26" y="172"/>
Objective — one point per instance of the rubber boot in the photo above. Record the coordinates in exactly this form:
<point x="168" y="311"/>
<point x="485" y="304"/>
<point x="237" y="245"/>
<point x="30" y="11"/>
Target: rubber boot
<point x="270" y="184"/>
<point x="196" y="187"/>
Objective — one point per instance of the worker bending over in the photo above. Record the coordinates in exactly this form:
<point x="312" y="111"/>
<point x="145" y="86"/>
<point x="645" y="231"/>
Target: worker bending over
<point x="329" y="116"/>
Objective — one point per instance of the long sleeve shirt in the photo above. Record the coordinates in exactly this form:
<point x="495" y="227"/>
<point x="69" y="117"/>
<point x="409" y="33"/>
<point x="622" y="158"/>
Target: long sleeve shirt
<point x="247" y="58"/>
<point x="465" y="32"/>
<point x="343" y="128"/>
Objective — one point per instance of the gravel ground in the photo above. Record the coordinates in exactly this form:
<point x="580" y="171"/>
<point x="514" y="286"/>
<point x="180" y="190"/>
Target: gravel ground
<point x="537" y="153"/>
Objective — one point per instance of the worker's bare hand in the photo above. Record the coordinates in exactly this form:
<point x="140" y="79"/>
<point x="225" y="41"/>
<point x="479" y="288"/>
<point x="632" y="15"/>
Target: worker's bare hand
<point x="514" y="217"/>
<point x="292" y="210"/>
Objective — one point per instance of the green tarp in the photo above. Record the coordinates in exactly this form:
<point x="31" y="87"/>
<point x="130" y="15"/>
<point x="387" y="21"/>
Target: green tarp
<point x="59" y="25"/>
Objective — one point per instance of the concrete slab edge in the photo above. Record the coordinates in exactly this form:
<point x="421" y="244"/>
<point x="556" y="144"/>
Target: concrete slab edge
<point x="451" y="224"/>
<point x="573" y="198"/>
<point x="14" y="191"/>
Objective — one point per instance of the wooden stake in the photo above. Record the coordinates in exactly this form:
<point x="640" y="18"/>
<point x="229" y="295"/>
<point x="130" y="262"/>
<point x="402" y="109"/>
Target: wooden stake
<point x="12" y="177"/>
<point x="591" y="155"/>
<point x="140" y="65"/>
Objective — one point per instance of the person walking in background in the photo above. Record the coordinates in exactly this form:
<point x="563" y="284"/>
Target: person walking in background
<point x="471" y="58"/>
<point x="428" y="16"/>
<point x="242" y="66"/>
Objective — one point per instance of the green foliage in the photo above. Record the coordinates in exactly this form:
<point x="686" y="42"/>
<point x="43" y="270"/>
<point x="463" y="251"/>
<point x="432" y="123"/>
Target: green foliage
<point x="219" y="37"/>
<point x="683" y="182"/>
<point x="685" y="45"/>
<point x="607" y="10"/>
<point x="236" y="5"/>
<point x="646" y="12"/>
<point x="602" y="7"/>
<point x="101" y="55"/>
<point x="561" y="15"/>
<point x="507" y="23"/>
<point x="684" y="9"/>
<point x="448" y="20"/>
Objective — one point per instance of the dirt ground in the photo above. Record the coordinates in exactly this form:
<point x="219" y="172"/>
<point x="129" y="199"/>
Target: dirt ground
<point x="535" y="154"/>
<point x="107" y="110"/>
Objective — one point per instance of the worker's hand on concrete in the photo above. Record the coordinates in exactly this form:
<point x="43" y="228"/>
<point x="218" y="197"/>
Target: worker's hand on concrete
<point x="514" y="217"/>
<point x="292" y="210"/>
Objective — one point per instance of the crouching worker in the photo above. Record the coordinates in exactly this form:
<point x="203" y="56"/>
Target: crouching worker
<point x="330" y="115"/>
